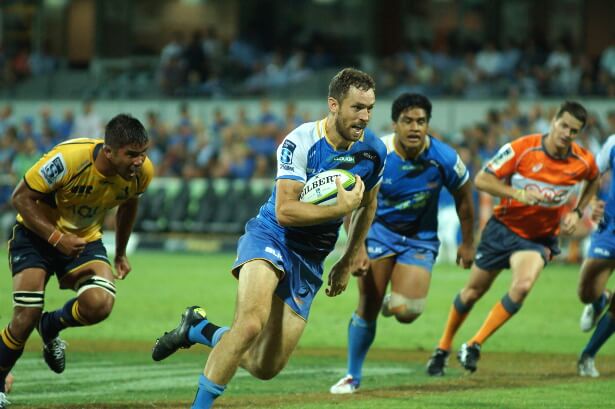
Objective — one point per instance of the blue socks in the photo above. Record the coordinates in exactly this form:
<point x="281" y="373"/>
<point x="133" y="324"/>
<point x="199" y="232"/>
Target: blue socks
<point x="207" y="393"/>
<point x="206" y="333"/>
<point x="361" y="334"/>
<point x="603" y="331"/>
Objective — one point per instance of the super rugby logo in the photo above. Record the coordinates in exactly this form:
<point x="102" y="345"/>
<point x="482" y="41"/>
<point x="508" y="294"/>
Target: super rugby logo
<point x="53" y="170"/>
<point x="286" y="152"/>
<point x="317" y="184"/>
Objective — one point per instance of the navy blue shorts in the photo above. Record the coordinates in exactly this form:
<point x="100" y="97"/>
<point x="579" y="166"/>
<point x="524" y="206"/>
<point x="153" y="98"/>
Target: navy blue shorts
<point x="302" y="276"/>
<point x="498" y="243"/>
<point x="28" y="250"/>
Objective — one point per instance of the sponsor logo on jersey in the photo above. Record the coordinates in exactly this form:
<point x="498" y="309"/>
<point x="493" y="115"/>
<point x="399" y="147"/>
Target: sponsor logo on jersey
<point x="505" y="154"/>
<point x="284" y="166"/>
<point x="460" y="167"/>
<point x="286" y="153"/>
<point x="54" y="169"/>
<point x="344" y="159"/>
<point x="82" y="189"/>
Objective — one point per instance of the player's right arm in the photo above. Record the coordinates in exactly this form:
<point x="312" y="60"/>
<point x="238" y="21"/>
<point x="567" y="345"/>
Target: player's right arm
<point x="290" y="212"/>
<point x="292" y="157"/>
<point x="491" y="179"/>
<point x="26" y="202"/>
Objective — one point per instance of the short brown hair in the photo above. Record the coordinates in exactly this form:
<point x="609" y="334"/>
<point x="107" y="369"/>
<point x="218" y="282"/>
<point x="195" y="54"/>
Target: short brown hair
<point x="349" y="77"/>
<point x="573" y="108"/>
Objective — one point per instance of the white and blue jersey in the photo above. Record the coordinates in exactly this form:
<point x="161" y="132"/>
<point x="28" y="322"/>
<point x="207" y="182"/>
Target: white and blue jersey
<point x="603" y="239"/>
<point x="300" y="251"/>
<point x="306" y="152"/>
<point x="407" y="214"/>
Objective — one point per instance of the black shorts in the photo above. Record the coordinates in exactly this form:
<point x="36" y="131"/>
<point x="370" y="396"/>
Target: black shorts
<point x="498" y="243"/>
<point x="28" y="250"/>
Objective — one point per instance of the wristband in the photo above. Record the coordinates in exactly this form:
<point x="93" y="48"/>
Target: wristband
<point x="55" y="237"/>
<point x="578" y="211"/>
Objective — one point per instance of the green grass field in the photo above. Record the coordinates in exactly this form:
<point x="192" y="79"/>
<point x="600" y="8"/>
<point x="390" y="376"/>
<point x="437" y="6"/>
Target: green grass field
<point x="529" y="363"/>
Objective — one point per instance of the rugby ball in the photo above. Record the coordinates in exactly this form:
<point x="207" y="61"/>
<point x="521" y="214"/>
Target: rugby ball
<point x="321" y="189"/>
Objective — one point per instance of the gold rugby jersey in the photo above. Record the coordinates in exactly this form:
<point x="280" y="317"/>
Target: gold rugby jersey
<point x="79" y="195"/>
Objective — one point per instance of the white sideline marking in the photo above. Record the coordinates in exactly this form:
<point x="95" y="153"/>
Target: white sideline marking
<point x="103" y="382"/>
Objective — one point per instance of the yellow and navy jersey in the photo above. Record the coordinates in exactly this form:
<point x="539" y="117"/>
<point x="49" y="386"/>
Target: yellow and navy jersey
<point x="79" y="196"/>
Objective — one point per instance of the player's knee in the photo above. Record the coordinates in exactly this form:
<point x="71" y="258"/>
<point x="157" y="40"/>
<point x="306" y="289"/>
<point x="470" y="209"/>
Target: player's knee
<point x="522" y="288"/>
<point x="266" y="372"/>
<point x="248" y="328"/>
<point x="406" y="310"/>
<point x="471" y="295"/>
<point x="96" y="299"/>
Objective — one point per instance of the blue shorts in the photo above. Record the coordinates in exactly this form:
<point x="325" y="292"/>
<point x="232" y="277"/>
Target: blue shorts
<point x="602" y="243"/>
<point x="28" y="250"/>
<point x="382" y="242"/>
<point x="498" y="243"/>
<point x="302" y="276"/>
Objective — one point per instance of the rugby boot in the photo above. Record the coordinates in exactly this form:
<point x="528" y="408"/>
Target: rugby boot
<point x="468" y="356"/>
<point x="345" y="386"/>
<point x="54" y="350"/>
<point x="587" y="367"/>
<point x="437" y="362"/>
<point x="4" y="402"/>
<point x="177" y="338"/>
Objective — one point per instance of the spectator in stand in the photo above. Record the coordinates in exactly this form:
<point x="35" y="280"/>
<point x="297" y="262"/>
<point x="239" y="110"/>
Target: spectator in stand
<point x="88" y="124"/>
<point x="66" y="125"/>
<point x="607" y="59"/>
<point x="27" y="154"/>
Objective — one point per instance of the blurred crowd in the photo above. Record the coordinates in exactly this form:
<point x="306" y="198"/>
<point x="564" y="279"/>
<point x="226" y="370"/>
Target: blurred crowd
<point x="237" y="145"/>
<point x="20" y="63"/>
<point x="207" y="65"/>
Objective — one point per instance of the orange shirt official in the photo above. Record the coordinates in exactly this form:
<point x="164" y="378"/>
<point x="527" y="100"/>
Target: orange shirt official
<point x="525" y="164"/>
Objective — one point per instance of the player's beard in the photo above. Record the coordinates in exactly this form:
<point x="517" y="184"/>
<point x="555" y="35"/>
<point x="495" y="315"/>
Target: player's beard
<point x="345" y="131"/>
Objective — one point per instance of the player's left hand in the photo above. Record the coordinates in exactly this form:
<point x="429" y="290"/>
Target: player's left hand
<point x="465" y="255"/>
<point x="361" y="262"/>
<point x="122" y="267"/>
<point x="338" y="277"/>
<point x="569" y="223"/>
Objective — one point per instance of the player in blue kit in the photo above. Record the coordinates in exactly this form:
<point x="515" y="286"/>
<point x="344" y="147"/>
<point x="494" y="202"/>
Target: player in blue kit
<point x="402" y="244"/>
<point x="280" y="257"/>
<point x="597" y="269"/>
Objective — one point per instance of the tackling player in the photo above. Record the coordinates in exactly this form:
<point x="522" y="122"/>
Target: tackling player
<point x="402" y="243"/>
<point x="61" y="205"/>
<point x="534" y="176"/>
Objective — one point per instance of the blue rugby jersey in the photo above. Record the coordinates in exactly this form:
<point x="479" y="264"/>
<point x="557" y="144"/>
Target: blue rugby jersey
<point x="606" y="161"/>
<point x="410" y="190"/>
<point x="306" y="152"/>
